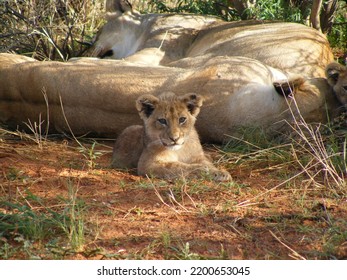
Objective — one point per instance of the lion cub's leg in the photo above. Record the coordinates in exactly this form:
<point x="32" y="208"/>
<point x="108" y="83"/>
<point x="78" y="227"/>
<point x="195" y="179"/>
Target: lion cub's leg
<point x="218" y="175"/>
<point x="128" y="148"/>
<point x="167" y="166"/>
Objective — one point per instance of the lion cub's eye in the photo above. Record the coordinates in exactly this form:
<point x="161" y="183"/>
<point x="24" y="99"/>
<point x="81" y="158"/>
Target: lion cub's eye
<point x="162" y="121"/>
<point x="182" y="120"/>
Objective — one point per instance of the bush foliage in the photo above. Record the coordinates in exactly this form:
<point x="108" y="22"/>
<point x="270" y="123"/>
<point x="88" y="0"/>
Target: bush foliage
<point x="49" y="29"/>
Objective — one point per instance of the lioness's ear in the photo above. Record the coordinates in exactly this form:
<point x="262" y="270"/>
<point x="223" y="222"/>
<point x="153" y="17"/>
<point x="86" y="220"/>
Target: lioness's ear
<point x="333" y="71"/>
<point x="145" y="105"/>
<point x="118" y="6"/>
<point x="288" y="87"/>
<point x="193" y="102"/>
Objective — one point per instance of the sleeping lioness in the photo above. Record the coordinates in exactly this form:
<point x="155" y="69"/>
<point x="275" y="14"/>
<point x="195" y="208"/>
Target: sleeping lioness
<point x="250" y="74"/>
<point x="167" y="145"/>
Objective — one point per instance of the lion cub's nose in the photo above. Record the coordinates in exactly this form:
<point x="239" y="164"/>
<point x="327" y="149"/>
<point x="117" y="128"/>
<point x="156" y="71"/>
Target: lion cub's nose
<point x="174" y="138"/>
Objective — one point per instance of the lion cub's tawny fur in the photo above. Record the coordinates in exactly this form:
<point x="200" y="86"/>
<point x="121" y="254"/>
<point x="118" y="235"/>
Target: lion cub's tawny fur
<point x="337" y="79"/>
<point x="167" y="145"/>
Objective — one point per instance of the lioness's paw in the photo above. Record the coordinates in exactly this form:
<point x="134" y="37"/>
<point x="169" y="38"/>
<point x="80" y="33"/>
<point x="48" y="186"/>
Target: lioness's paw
<point x="221" y="176"/>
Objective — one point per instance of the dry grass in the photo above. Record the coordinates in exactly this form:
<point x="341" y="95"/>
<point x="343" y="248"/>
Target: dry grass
<point x="326" y="157"/>
<point x="49" y="30"/>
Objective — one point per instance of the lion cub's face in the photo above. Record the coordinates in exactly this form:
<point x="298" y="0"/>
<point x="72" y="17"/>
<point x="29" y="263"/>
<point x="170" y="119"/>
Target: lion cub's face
<point x="337" y="78"/>
<point x="168" y="119"/>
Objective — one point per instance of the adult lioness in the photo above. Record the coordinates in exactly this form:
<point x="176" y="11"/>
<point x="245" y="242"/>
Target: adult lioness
<point x="167" y="145"/>
<point x="159" y="39"/>
<point x="147" y="39"/>
<point x="249" y="73"/>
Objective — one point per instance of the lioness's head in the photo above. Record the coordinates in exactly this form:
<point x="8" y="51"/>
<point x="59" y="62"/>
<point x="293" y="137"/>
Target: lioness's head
<point x="168" y="119"/>
<point x="337" y="78"/>
<point x="121" y="36"/>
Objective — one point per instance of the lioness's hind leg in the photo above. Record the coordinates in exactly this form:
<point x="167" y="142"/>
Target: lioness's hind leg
<point x="128" y="148"/>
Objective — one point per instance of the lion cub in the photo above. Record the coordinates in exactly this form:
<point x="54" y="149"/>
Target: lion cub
<point x="167" y="145"/>
<point x="337" y="79"/>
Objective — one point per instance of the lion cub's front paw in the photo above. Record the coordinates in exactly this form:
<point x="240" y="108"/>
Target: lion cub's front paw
<point x="221" y="176"/>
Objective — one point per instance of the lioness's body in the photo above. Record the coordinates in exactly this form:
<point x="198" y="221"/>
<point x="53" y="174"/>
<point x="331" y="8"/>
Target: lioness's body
<point x="196" y="54"/>
<point x="159" y="39"/>
<point x="237" y="91"/>
<point x="290" y="47"/>
<point x="167" y="145"/>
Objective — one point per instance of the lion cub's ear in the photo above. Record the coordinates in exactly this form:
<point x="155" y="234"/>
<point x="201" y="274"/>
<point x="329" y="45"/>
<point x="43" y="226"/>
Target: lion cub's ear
<point x="145" y="105"/>
<point x="333" y="71"/>
<point x="193" y="102"/>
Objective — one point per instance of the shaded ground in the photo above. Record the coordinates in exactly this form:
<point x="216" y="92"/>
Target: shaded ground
<point x="108" y="214"/>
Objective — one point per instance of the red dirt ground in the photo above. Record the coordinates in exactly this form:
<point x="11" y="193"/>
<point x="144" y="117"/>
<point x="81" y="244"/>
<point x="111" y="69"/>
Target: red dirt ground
<point x="126" y="216"/>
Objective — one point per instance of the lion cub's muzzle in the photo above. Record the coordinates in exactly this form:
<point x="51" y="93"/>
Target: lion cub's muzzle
<point x="173" y="142"/>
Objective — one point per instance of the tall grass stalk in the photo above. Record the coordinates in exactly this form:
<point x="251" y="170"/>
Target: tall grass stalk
<point x="73" y="225"/>
<point x="323" y="161"/>
<point x="90" y="154"/>
<point x="40" y="133"/>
